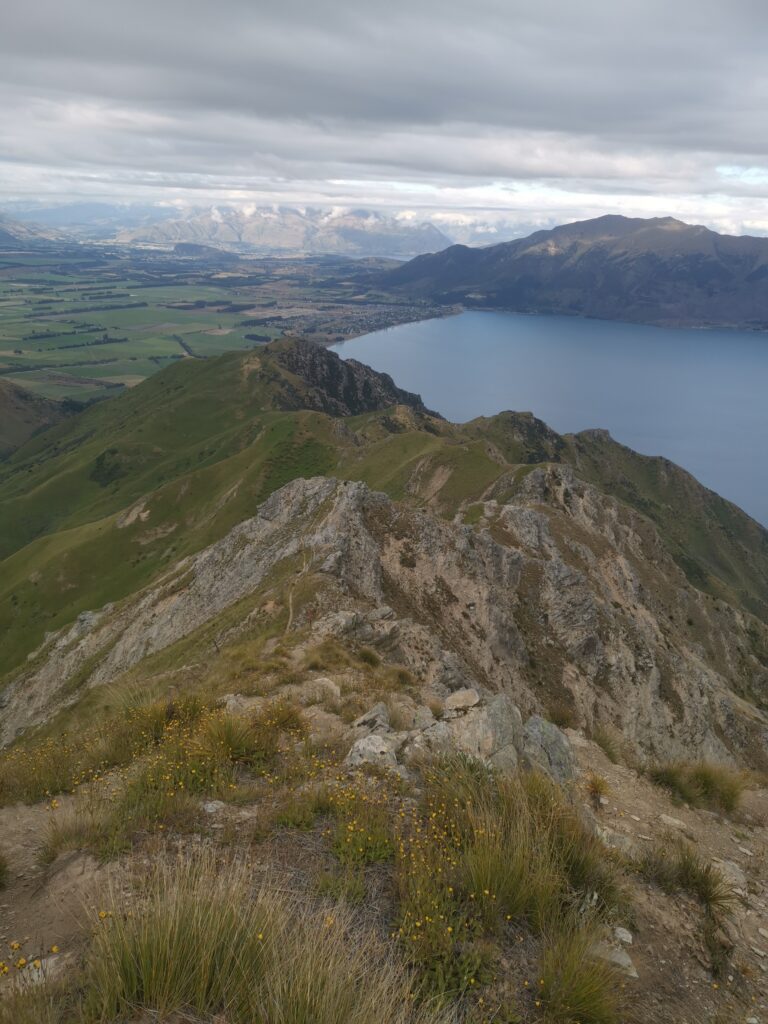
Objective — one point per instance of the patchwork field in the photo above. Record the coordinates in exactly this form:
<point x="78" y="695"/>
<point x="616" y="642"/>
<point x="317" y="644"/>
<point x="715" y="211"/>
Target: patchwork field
<point x="78" y="322"/>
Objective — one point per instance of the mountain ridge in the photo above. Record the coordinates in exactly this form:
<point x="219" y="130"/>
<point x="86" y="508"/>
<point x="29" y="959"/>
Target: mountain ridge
<point x="287" y="230"/>
<point x="658" y="270"/>
<point x="167" y="468"/>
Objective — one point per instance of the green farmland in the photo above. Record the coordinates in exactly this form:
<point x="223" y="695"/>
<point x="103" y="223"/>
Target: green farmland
<point x="82" y="322"/>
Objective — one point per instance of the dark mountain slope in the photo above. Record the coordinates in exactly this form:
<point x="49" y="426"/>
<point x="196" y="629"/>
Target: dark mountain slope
<point x="658" y="271"/>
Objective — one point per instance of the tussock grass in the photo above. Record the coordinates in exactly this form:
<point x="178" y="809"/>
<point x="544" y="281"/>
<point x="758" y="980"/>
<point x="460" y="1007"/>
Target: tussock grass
<point x="44" y="1003"/>
<point x="609" y="742"/>
<point x="346" y="886"/>
<point x="369" y="657"/>
<point x="597" y="787"/>
<point x="562" y="715"/>
<point x="301" y="810"/>
<point x="675" y="866"/>
<point x="702" y="784"/>
<point x="5" y="872"/>
<point x="200" y="939"/>
<point x="576" y="988"/>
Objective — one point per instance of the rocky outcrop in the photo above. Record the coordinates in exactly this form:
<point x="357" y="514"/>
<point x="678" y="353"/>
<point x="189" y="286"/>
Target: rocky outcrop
<point x="487" y="728"/>
<point x="340" y="387"/>
<point x="572" y="601"/>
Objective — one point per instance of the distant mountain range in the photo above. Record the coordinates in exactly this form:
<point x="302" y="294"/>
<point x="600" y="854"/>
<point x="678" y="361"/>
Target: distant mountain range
<point x="270" y="230"/>
<point x="14" y="232"/>
<point x="657" y="271"/>
<point x="296" y="231"/>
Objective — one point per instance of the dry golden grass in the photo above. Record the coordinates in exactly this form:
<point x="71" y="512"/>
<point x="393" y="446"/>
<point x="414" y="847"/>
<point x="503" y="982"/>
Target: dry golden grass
<point x="199" y="937"/>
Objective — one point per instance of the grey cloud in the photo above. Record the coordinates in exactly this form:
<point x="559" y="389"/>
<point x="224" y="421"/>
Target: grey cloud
<point x="628" y="98"/>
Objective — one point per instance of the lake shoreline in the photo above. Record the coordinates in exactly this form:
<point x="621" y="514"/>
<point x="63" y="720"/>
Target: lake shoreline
<point x="690" y="395"/>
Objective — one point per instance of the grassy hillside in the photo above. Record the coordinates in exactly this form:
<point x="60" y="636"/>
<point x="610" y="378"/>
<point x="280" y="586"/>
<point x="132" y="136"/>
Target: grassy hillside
<point x="100" y="504"/>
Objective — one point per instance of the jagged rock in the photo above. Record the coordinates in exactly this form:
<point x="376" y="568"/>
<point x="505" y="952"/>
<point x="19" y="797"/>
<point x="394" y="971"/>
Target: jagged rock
<point x="423" y="718"/>
<point x="615" y="956"/>
<point x="565" y="571"/>
<point x="546" y="748"/>
<point x="380" y="614"/>
<point x="669" y="822"/>
<point x="623" y="935"/>
<point x="491" y="732"/>
<point x="375" y="720"/>
<point x="617" y="840"/>
<point x="214" y="806"/>
<point x="375" y="750"/>
<point x="461" y="700"/>
<point x="239" y="704"/>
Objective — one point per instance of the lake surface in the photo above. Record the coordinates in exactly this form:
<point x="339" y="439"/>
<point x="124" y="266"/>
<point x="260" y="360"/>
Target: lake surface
<point x="697" y="397"/>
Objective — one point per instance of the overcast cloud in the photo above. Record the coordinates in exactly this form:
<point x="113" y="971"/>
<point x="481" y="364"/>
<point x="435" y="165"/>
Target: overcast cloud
<point x="529" y="113"/>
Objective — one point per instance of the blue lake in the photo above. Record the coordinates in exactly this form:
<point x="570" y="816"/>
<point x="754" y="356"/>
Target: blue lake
<point x="697" y="397"/>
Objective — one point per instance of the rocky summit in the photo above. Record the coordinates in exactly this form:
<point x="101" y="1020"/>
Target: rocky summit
<point x="485" y="702"/>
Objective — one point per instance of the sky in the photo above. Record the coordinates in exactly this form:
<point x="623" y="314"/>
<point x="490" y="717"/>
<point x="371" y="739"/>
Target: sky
<point x="500" y="114"/>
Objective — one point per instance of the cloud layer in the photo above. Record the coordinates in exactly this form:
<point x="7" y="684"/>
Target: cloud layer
<point x="501" y="110"/>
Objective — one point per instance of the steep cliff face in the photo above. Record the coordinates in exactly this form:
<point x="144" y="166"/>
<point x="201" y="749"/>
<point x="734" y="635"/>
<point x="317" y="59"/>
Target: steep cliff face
<point x="341" y="387"/>
<point x="558" y="594"/>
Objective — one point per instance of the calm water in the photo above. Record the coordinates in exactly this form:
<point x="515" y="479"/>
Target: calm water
<point x="697" y="397"/>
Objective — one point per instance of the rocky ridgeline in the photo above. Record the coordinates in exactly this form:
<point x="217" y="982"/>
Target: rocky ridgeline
<point x="561" y="595"/>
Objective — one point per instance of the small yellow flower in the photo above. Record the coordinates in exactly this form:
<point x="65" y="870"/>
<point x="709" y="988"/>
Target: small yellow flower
<point x="102" y="914"/>
<point x="54" y="949"/>
<point x="36" y="964"/>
